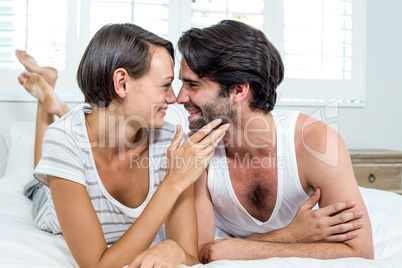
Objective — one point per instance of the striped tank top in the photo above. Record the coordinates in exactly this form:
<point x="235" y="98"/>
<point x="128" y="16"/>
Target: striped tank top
<point x="67" y="154"/>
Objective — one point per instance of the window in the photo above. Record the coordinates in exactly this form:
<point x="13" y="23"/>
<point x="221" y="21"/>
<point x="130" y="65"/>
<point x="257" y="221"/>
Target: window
<point x="33" y="31"/>
<point x="322" y="42"/>
<point x="24" y="26"/>
<point x="318" y="39"/>
<point x="152" y="15"/>
<point x="323" y="50"/>
<point x="59" y="38"/>
<point x="208" y="12"/>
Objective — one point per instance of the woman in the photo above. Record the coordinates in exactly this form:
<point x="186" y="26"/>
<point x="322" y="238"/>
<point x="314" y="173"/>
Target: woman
<point x="105" y="163"/>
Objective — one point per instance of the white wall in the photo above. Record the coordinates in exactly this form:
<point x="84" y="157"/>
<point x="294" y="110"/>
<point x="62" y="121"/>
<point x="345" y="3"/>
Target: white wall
<point x="378" y="125"/>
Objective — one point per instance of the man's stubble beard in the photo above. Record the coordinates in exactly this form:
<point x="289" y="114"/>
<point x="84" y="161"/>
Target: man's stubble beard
<point x="219" y="108"/>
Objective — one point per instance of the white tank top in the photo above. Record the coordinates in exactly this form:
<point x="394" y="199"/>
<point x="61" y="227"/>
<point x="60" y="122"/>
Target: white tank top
<point x="231" y="217"/>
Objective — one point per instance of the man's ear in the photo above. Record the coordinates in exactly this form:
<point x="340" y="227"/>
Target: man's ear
<point x="120" y="77"/>
<point x="240" y="92"/>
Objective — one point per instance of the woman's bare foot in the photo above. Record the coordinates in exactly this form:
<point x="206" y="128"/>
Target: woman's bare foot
<point x="49" y="73"/>
<point x="36" y="85"/>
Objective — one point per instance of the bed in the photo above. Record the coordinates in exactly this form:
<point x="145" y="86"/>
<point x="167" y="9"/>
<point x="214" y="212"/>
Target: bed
<point x="22" y="244"/>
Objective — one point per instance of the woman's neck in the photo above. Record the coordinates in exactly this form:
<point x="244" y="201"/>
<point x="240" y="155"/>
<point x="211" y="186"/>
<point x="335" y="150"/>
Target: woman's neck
<point x="109" y="132"/>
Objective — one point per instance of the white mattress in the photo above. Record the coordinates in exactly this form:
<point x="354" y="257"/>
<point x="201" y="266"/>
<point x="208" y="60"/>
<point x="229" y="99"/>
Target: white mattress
<point x="22" y="244"/>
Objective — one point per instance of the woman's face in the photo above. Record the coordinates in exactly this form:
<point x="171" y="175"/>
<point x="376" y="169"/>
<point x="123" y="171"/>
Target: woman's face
<point x="149" y="96"/>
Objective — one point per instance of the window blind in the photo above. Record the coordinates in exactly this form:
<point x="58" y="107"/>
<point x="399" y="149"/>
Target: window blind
<point x="12" y="23"/>
<point x="323" y="47"/>
<point x="152" y="15"/>
<point x="322" y="42"/>
<point x="208" y="12"/>
<point x="318" y="39"/>
<point x="29" y="25"/>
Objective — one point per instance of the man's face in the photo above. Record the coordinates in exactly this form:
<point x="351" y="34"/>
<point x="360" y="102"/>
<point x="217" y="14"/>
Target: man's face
<point x="202" y="100"/>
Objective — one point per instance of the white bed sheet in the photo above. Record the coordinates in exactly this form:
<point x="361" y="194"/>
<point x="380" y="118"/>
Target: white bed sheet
<point x="22" y="244"/>
<point x="385" y="211"/>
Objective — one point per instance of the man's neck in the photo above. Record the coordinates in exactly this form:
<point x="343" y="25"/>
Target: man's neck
<point x="253" y="134"/>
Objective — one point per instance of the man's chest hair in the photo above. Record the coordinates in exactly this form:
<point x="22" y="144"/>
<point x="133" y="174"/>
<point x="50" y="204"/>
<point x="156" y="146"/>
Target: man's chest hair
<point x="256" y="190"/>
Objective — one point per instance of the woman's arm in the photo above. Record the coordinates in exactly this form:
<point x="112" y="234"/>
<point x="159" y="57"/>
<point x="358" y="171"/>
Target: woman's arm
<point x="181" y="226"/>
<point x="180" y="247"/>
<point x="83" y="232"/>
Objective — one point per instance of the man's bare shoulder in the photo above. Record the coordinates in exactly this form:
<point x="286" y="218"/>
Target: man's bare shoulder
<point x="312" y="134"/>
<point x="316" y="143"/>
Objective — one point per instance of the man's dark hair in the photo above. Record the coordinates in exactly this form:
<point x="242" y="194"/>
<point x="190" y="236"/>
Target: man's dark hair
<point x="116" y="46"/>
<point x="233" y="53"/>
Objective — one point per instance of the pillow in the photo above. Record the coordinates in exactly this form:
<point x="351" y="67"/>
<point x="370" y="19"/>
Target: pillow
<point x="20" y="158"/>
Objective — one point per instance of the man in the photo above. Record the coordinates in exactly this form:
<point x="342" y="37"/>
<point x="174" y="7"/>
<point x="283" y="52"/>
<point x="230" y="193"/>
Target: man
<point x="270" y="162"/>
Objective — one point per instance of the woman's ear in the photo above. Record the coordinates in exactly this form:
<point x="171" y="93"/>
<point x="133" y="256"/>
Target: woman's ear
<point x="120" y="77"/>
<point x="240" y="92"/>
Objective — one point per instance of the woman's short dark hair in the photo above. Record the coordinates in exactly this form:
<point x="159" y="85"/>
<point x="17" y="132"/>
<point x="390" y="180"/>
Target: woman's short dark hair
<point x="116" y="46"/>
<point x="233" y="53"/>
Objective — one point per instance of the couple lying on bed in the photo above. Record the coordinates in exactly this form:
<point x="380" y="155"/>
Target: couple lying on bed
<point x="130" y="188"/>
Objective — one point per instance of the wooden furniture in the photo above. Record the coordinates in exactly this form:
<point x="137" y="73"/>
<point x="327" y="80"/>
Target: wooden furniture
<point x="379" y="169"/>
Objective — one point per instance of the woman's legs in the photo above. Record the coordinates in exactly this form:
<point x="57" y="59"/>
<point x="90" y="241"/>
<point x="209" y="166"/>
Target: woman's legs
<point x="49" y="73"/>
<point x="39" y="82"/>
<point x="39" y="85"/>
<point x="43" y="120"/>
<point x="49" y="105"/>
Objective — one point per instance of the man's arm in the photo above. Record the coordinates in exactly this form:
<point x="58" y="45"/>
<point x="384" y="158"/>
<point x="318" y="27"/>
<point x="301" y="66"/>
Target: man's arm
<point x="205" y="216"/>
<point x="242" y="249"/>
<point x="324" y="162"/>
<point x="328" y="224"/>
<point x="304" y="237"/>
<point x="308" y="226"/>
